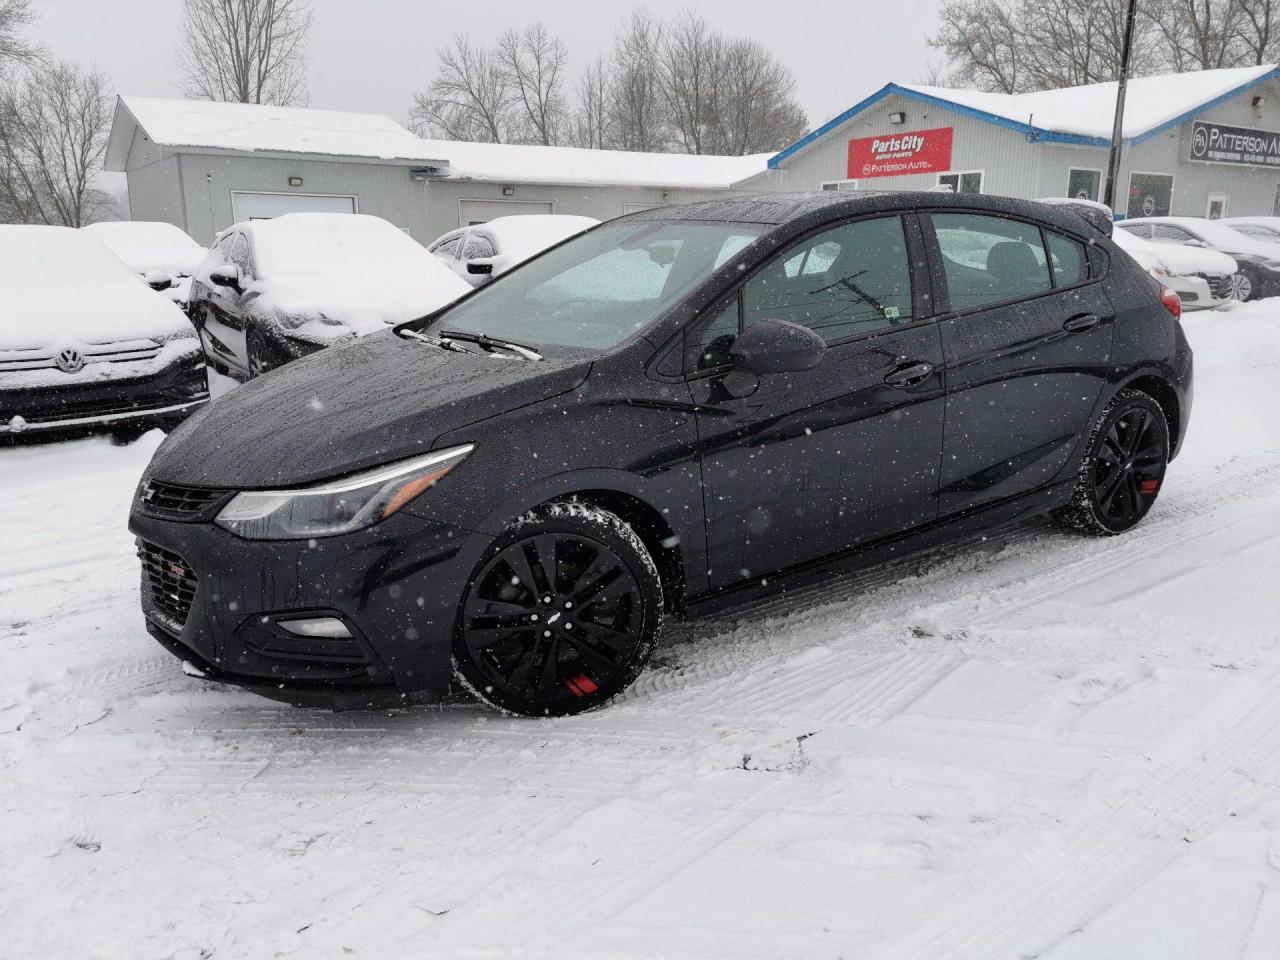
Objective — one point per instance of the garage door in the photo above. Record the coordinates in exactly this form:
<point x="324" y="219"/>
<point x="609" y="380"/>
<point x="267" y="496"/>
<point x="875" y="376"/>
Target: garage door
<point x="264" y="206"/>
<point x="471" y="212"/>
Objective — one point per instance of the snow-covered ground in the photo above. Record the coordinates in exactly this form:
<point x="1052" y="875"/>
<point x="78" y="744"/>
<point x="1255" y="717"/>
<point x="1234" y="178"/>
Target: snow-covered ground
<point x="1029" y="745"/>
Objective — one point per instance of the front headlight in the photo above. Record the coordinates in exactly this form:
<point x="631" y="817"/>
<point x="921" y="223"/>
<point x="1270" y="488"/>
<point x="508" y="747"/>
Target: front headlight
<point x="337" y="506"/>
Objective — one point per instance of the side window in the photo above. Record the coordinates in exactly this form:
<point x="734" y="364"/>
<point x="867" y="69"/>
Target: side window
<point x="989" y="260"/>
<point x="1142" y="230"/>
<point x="478" y="247"/>
<point x="449" y="248"/>
<point x="841" y="283"/>
<point x="1169" y="234"/>
<point x="237" y="252"/>
<point x="718" y="337"/>
<point x="1070" y="262"/>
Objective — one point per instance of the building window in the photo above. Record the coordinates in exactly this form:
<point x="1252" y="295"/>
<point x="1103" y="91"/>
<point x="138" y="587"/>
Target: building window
<point x="1150" y="195"/>
<point x="968" y="181"/>
<point x="1084" y="184"/>
<point x="840" y="185"/>
<point x="1216" y="208"/>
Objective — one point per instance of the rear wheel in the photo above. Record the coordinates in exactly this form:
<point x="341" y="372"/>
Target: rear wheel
<point x="1123" y="468"/>
<point x="561" y="615"/>
<point x="1242" y="287"/>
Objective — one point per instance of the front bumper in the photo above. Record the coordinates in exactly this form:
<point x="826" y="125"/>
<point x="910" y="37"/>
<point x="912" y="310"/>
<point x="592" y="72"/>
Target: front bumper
<point x="171" y="393"/>
<point x="396" y="587"/>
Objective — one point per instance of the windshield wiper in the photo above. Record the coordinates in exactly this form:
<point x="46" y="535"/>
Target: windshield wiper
<point x="489" y="343"/>
<point x="442" y="342"/>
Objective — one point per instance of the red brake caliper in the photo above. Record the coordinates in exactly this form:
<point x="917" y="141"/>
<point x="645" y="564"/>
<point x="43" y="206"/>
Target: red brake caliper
<point x="581" y="685"/>
<point x="1148" y="488"/>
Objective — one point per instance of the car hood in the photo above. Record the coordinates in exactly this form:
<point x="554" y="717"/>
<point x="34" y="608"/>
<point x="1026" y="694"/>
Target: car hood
<point x="352" y="407"/>
<point x="86" y="313"/>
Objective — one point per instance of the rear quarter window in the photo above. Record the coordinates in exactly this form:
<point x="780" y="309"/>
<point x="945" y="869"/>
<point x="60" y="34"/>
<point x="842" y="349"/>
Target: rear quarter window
<point x="989" y="260"/>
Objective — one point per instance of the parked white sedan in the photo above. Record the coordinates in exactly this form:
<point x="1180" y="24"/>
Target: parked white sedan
<point x="84" y="344"/>
<point x="1201" y="278"/>
<point x="160" y="253"/>
<point x="479" y="253"/>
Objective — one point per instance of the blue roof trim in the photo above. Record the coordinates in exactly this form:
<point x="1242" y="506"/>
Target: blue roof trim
<point x="1043" y="136"/>
<point x="1208" y="105"/>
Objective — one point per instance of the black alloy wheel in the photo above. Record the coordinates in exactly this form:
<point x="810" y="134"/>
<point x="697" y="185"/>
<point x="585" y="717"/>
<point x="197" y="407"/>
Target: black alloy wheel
<point x="1123" y="468"/>
<point x="561" y="615"/>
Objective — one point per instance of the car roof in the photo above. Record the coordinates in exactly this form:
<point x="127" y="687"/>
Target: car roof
<point x="779" y="209"/>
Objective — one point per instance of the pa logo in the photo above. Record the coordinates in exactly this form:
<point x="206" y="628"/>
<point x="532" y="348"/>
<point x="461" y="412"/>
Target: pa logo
<point x="1199" y="143"/>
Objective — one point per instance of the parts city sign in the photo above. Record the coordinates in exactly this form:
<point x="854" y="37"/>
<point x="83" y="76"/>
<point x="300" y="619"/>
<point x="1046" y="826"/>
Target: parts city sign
<point x="902" y="154"/>
<point x="1216" y="143"/>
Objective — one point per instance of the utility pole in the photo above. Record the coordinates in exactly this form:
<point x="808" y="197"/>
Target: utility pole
<point x="1117" y="131"/>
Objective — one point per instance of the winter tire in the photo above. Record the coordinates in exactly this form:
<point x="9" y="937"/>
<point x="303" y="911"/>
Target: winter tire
<point x="561" y="614"/>
<point x="1123" y="467"/>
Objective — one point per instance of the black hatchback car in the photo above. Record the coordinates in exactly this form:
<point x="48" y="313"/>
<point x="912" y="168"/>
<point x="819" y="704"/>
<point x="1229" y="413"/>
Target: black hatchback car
<point x="662" y="416"/>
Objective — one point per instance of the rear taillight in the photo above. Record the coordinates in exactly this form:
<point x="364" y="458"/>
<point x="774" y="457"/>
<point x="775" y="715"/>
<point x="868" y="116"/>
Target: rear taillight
<point x="1171" y="302"/>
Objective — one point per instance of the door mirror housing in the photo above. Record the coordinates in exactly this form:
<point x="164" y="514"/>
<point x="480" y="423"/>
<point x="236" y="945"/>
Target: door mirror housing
<point x="480" y="267"/>
<point x="157" y="280"/>
<point x="777" y="346"/>
<point x="227" y="275"/>
<point x="1195" y="243"/>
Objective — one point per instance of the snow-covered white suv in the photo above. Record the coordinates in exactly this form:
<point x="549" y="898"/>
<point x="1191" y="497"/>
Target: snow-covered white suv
<point x="84" y="344"/>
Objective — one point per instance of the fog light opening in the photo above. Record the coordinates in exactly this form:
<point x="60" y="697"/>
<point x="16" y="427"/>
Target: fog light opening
<point x="329" y="628"/>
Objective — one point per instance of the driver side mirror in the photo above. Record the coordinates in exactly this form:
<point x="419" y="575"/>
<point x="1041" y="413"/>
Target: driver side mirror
<point x="480" y="267"/>
<point x="1195" y="243"/>
<point x="227" y="275"/>
<point x="157" y="280"/>
<point x="777" y="346"/>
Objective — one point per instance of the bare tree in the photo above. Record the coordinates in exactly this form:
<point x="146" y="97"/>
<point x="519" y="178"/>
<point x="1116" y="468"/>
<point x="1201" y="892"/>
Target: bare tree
<point x="535" y="63"/>
<point x="470" y="98"/>
<point x="639" y="113"/>
<point x="692" y="64"/>
<point x="983" y="44"/>
<point x="757" y="111"/>
<point x="245" y="51"/>
<point x="15" y="17"/>
<point x="1258" y="27"/>
<point x="591" y="119"/>
<point x="54" y="124"/>
<point x="1199" y="34"/>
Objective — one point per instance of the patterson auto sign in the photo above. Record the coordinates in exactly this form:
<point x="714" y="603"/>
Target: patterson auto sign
<point x="1216" y="143"/>
<point x="900" y="155"/>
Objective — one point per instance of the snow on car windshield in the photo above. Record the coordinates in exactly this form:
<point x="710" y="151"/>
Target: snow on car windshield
<point x="599" y="289"/>
<point x="47" y="257"/>
<point x="148" y="245"/>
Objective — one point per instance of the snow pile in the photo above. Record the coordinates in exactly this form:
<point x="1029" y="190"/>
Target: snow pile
<point x="341" y="271"/>
<point x="61" y="285"/>
<point x="144" y="246"/>
<point x="1089" y="111"/>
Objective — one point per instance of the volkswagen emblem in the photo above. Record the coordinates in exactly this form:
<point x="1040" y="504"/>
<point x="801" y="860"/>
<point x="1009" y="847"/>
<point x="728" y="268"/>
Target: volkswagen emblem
<point x="70" y="360"/>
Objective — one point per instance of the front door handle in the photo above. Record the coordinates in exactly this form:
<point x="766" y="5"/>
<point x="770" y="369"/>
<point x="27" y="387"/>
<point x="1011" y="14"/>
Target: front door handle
<point x="909" y="375"/>
<point x="1085" y="321"/>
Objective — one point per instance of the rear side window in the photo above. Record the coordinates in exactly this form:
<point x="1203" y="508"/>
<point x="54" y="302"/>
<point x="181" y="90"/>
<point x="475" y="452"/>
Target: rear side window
<point x="841" y="283"/>
<point x="990" y="260"/>
<point x="1070" y="262"/>
<point x="478" y="248"/>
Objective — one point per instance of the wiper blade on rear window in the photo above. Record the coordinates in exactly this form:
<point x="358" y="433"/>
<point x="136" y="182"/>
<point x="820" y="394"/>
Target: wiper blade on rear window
<point x="444" y="343"/>
<point x="489" y="343"/>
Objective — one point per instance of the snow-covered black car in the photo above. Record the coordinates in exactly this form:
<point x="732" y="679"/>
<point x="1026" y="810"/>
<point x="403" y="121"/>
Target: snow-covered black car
<point x="271" y="291"/>
<point x="83" y="344"/>
<point x="661" y="417"/>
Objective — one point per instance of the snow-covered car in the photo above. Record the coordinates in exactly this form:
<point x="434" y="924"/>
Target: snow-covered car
<point x="271" y="291"/>
<point x="1260" y="228"/>
<point x="1258" y="261"/>
<point x="84" y="344"/>
<point x="1201" y="278"/>
<point x="159" y="252"/>
<point x="479" y="253"/>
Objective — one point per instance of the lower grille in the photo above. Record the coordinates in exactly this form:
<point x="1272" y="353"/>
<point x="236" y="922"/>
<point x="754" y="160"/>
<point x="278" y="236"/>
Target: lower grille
<point x="70" y="409"/>
<point x="168" y="583"/>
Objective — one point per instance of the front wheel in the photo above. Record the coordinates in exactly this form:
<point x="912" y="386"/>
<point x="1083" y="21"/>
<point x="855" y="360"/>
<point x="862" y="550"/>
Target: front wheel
<point x="561" y="615"/>
<point x="1123" y="468"/>
<point x="1243" y="288"/>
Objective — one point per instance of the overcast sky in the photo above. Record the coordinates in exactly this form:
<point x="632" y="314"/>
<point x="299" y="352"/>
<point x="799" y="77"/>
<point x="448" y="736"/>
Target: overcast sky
<point x="371" y="55"/>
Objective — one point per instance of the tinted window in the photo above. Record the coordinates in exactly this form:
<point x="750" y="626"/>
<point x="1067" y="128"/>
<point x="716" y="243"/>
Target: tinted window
<point x="1169" y="233"/>
<point x="477" y="248"/>
<point x="990" y="260"/>
<point x="841" y="283"/>
<point x="1070" y="262"/>
<point x="718" y="336"/>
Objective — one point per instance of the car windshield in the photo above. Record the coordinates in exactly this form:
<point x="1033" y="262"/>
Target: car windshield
<point x="594" y="292"/>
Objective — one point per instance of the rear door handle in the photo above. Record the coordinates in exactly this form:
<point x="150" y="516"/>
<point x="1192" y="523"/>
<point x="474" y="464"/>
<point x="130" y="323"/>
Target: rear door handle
<point x="909" y="375"/>
<point x="1086" y="321"/>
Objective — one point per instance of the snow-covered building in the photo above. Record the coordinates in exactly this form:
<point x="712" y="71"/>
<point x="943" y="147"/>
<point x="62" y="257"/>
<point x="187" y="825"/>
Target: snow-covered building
<point x="204" y="166"/>
<point x="1195" y="144"/>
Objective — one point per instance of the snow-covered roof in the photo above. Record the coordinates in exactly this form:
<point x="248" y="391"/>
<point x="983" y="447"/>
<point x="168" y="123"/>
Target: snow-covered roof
<point x="200" y="126"/>
<point x="1077" y="115"/>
